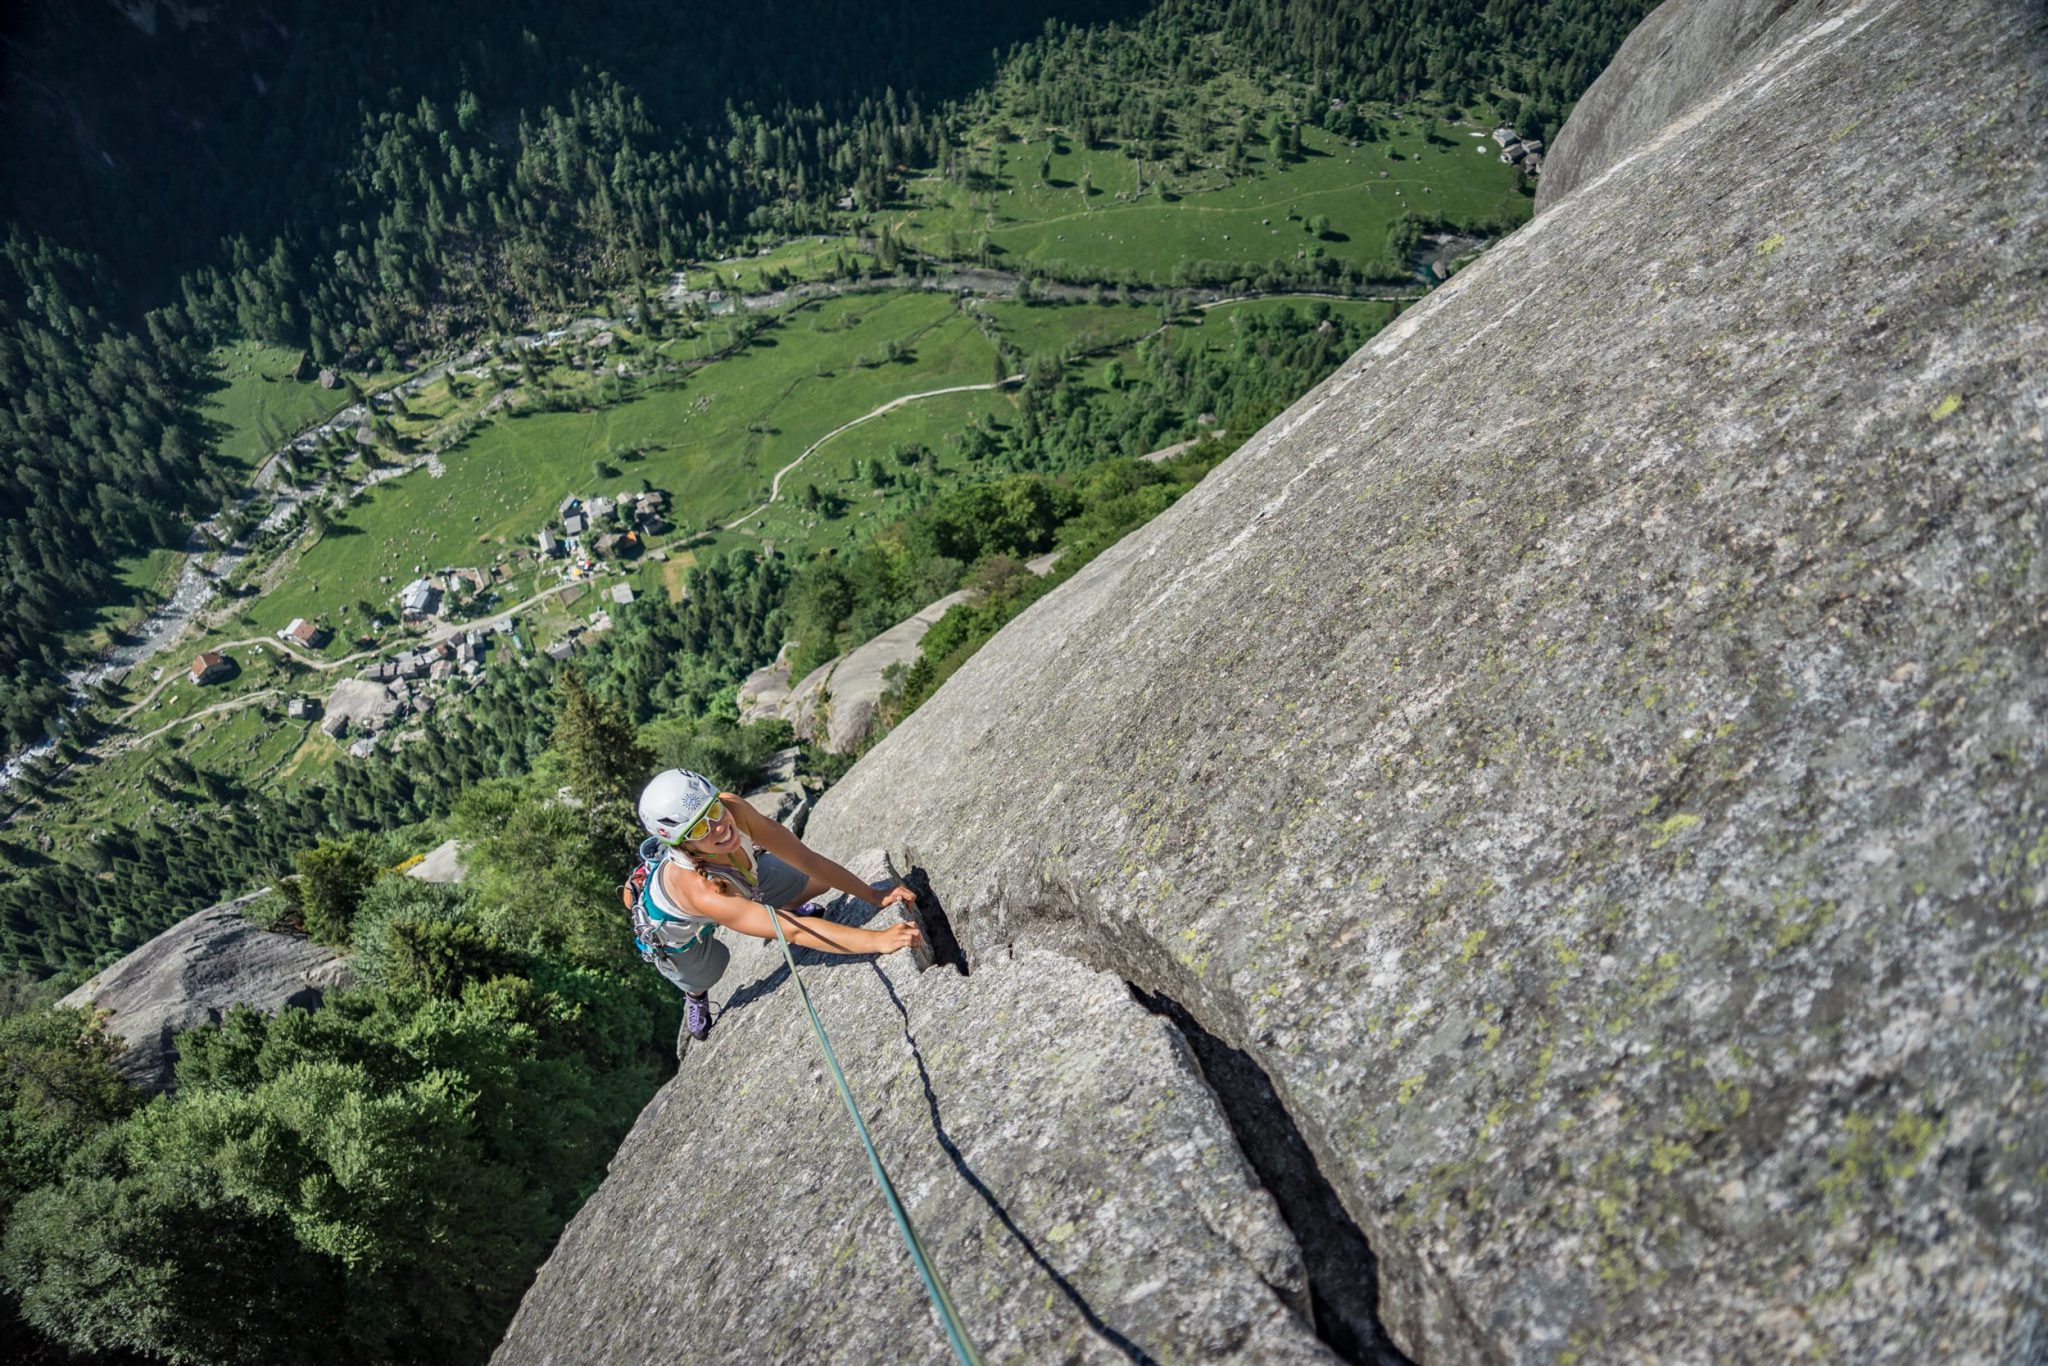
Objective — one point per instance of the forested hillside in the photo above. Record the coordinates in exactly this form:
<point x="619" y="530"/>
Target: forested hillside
<point x="363" y="181"/>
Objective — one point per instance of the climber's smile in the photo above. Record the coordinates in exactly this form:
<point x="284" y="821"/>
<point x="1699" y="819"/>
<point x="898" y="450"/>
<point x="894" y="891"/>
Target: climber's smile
<point x="722" y="838"/>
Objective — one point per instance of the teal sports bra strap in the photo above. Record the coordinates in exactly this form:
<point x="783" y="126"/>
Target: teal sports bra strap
<point x="657" y="913"/>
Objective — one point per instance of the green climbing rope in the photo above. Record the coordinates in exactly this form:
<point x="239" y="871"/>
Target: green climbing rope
<point x="949" y="1317"/>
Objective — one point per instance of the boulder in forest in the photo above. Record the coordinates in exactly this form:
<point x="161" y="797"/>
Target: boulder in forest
<point x="193" y="974"/>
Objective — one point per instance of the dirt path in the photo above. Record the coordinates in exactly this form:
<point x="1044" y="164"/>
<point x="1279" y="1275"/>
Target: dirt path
<point x="323" y="665"/>
<point x="775" y="484"/>
<point x="1168" y="452"/>
<point x="232" y="704"/>
<point x="114" y="745"/>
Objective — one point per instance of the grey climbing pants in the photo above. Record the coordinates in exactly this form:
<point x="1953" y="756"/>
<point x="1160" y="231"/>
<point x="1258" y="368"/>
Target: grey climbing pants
<point x="697" y="967"/>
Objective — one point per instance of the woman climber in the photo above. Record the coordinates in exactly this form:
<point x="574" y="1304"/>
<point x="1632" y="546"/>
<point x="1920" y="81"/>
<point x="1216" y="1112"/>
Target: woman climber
<point x="711" y="860"/>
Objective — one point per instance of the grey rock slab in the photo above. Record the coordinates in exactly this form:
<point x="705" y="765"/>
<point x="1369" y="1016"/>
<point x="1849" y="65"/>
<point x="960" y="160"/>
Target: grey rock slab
<point x="192" y="974"/>
<point x="442" y="864"/>
<point x="835" y="703"/>
<point x="363" y="702"/>
<point x="782" y="795"/>
<point x="1058" y="1152"/>
<point x="762" y="692"/>
<point x="1590" y="750"/>
<point x="1678" y="57"/>
<point x="779" y="803"/>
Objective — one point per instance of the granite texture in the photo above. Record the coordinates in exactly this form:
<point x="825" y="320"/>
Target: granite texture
<point x="192" y="974"/>
<point x="834" y="704"/>
<point x="1590" y="751"/>
<point x="1684" y="53"/>
<point x="1587" y="757"/>
<point x="1058" y="1151"/>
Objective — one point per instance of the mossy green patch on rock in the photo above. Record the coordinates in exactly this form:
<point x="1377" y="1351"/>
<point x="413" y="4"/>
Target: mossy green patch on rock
<point x="1609" y="711"/>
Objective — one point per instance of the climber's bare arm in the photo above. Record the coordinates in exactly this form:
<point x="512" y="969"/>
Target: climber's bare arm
<point x="771" y="835"/>
<point x="701" y="897"/>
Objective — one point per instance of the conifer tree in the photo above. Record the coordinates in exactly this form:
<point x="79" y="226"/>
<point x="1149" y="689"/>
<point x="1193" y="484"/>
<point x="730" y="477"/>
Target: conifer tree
<point x="603" y="757"/>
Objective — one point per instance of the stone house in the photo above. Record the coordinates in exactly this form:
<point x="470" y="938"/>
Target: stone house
<point x="211" y="666"/>
<point x="310" y="634"/>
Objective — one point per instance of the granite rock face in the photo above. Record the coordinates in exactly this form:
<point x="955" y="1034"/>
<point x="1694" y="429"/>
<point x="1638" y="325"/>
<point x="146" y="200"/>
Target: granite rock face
<point x="834" y="704"/>
<point x="1054" y="1142"/>
<point x="1590" y="752"/>
<point x="762" y="692"/>
<point x="1581" y="769"/>
<point x="1680" y="55"/>
<point x="783" y="794"/>
<point x="192" y="973"/>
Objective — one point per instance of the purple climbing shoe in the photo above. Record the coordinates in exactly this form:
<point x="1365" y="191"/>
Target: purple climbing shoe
<point x="696" y="1014"/>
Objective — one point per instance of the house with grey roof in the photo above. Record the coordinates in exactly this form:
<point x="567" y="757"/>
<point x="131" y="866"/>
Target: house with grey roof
<point x="419" y="600"/>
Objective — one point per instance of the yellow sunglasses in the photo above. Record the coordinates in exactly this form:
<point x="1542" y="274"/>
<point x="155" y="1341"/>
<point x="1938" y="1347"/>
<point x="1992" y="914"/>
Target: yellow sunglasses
<point x="701" y="827"/>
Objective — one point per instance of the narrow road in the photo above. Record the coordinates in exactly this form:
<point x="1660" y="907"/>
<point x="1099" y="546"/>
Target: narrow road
<point x="232" y="704"/>
<point x="271" y="642"/>
<point x="112" y="745"/>
<point x="775" y="484"/>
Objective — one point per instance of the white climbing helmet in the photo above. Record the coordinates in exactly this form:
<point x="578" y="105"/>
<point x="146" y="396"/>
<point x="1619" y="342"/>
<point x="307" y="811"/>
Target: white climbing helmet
<point x="673" y="801"/>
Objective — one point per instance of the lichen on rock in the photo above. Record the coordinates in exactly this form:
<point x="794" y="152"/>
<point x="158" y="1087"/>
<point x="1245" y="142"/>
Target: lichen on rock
<point x="1590" y="751"/>
<point x="1588" y="754"/>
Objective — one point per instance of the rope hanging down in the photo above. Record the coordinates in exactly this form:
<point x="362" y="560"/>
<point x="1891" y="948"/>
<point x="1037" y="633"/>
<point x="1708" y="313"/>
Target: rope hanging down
<point x="949" y="1317"/>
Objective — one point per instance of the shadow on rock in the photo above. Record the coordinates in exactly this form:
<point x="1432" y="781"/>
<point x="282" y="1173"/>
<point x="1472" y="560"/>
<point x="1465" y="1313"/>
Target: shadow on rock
<point x="953" y="1154"/>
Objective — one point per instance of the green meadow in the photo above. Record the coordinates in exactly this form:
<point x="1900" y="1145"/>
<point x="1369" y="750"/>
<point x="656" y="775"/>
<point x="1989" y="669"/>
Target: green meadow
<point x="714" y="441"/>
<point x="922" y="436"/>
<point x="258" y="404"/>
<point x="714" y="431"/>
<point x="1070" y="329"/>
<point x="247" y="742"/>
<point x="806" y="258"/>
<point x="1084" y="213"/>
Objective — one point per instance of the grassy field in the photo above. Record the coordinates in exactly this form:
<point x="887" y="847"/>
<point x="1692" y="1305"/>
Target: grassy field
<point x="713" y="441"/>
<point x="239" y="742"/>
<point x="714" y="437"/>
<point x="806" y="258"/>
<point x="930" y="425"/>
<point x="258" y="404"/>
<point x="1084" y="213"/>
<point x="1069" y="329"/>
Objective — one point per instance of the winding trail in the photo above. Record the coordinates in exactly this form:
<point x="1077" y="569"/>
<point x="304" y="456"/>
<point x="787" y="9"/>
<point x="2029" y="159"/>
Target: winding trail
<point x="208" y="561"/>
<point x="440" y="633"/>
<point x="231" y="704"/>
<point x="775" y="484"/>
<point x="109" y="746"/>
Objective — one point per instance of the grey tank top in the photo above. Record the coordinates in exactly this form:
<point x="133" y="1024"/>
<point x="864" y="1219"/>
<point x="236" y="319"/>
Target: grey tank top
<point x="731" y="877"/>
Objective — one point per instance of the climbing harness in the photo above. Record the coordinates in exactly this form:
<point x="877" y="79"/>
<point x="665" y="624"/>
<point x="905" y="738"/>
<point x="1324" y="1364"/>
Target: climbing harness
<point x="638" y="895"/>
<point x="648" y="916"/>
<point x="949" y="1317"/>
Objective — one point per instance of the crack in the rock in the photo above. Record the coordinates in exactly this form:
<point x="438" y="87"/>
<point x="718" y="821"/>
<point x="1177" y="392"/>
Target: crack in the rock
<point x="1343" y="1274"/>
<point x="941" y="946"/>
